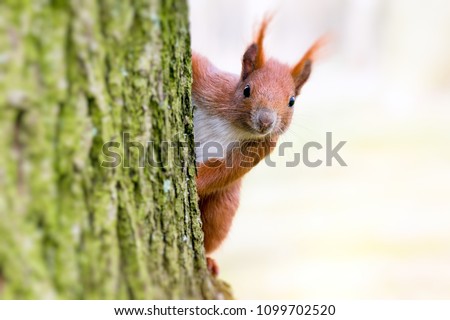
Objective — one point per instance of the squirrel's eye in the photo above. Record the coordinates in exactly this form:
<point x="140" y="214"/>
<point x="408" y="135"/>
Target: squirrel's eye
<point x="291" y="101"/>
<point x="247" y="91"/>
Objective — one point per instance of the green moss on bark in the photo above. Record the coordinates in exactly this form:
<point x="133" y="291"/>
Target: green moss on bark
<point x="75" y="75"/>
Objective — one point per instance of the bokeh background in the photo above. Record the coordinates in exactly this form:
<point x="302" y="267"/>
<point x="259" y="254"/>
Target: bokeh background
<point x="380" y="227"/>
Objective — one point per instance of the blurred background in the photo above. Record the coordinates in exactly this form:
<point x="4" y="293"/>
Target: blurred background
<point x="380" y="227"/>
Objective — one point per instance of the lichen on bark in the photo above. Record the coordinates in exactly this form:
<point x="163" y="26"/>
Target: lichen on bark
<point x="75" y="75"/>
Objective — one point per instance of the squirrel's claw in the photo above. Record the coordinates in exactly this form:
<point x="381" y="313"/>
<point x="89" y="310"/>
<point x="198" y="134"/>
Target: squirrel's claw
<point x="212" y="266"/>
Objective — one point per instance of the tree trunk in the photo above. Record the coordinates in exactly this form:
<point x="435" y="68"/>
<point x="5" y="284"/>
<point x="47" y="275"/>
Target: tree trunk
<point x="74" y="76"/>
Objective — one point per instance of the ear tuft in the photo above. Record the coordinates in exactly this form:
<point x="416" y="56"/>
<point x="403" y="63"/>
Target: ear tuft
<point x="260" y="57"/>
<point x="254" y="57"/>
<point x="302" y="70"/>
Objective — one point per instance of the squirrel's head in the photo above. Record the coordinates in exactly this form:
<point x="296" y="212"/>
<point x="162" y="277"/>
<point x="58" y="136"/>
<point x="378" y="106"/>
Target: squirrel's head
<point x="267" y="89"/>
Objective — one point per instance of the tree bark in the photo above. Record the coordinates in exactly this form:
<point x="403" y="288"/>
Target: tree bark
<point x="75" y="75"/>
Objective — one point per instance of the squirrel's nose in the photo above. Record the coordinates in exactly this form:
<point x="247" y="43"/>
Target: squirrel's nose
<point x="265" y="120"/>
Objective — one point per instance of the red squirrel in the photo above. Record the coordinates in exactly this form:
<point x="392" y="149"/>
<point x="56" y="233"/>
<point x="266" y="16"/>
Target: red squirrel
<point x="243" y="116"/>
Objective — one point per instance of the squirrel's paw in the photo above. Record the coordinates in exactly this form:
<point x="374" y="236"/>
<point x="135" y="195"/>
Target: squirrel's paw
<point x="212" y="266"/>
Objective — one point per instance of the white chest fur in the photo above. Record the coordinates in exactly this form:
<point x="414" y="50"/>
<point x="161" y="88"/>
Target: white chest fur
<point x="213" y="135"/>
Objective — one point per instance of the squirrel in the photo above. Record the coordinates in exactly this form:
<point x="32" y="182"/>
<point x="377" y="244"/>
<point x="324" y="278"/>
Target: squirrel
<point x="240" y="117"/>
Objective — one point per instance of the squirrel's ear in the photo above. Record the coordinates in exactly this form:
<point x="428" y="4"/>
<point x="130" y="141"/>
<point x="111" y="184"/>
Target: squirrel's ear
<point x="248" y="61"/>
<point x="302" y="70"/>
<point x="254" y="56"/>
